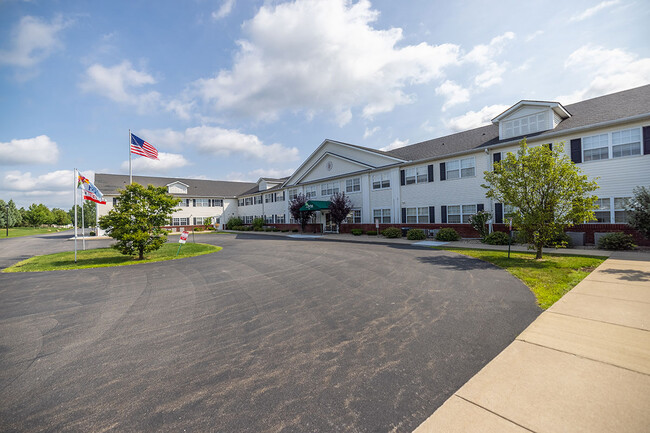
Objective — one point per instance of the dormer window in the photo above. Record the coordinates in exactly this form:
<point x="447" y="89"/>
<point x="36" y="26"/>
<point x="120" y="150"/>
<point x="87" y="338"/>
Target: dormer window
<point x="529" y="117"/>
<point x="177" y="188"/>
<point x="525" y="125"/>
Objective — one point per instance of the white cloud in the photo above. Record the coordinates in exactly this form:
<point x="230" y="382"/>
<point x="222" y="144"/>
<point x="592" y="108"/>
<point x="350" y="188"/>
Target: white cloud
<point x="426" y="126"/>
<point x="593" y="10"/>
<point x="312" y="55"/>
<point x="534" y="35"/>
<point x="224" y="9"/>
<point x="37" y="150"/>
<point x="166" y="162"/>
<point x="118" y="83"/>
<point x="370" y="132"/>
<point x="605" y="71"/>
<point x="453" y="93"/>
<point x="395" y="144"/>
<point x="474" y="119"/>
<point x="222" y="142"/>
<point x="485" y="55"/>
<point x="33" y="40"/>
<point x="254" y="175"/>
<point x="60" y="180"/>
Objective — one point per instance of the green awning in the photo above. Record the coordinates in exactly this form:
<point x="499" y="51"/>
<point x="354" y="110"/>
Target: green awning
<point x="315" y="205"/>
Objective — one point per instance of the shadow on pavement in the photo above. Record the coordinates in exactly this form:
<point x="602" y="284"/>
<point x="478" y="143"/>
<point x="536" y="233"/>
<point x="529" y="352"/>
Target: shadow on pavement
<point x="628" y="274"/>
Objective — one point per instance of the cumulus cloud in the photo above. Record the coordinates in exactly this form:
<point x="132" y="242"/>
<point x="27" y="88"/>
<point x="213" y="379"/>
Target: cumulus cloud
<point x="217" y="141"/>
<point x="593" y="10"/>
<point x="370" y="132"/>
<point x="166" y="162"/>
<point x="119" y="82"/>
<point x="33" y="40"/>
<point x="60" y="180"/>
<point x="37" y="150"/>
<point x="453" y="94"/>
<point x="254" y="175"/>
<point x="395" y="144"/>
<point x="605" y="71"/>
<point x="224" y="10"/>
<point x="474" y="119"/>
<point x="313" y="55"/>
<point x="484" y="55"/>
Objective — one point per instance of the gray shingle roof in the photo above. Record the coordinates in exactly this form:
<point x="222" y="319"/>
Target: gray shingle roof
<point x="606" y="108"/>
<point x="110" y="183"/>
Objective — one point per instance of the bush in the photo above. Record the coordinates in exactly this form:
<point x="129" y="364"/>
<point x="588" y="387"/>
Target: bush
<point x="258" y="229"/>
<point x="447" y="235"/>
<point x="285" y="230"/>
<point x="234" y="222"/>
<point x="93" y="234"/>
<point x="496" y="238"/>
<point x="258" y="223"/>
<point x="392" y="232"/>
<point x="479" y="222"/>
<point x="371" y="232"/>
<point x="356" y="232"/>
<point x="616" y="241"/>
<point x="295" y="230"/>
<point x="415" y="235"/>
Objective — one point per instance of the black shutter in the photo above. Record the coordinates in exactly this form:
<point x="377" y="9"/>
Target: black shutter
<point x="496" y="157"/>
<point x="194" y="202"/>
<point x="430" y="172"/>
<point x="402" y="177"/>
<point x="443" y="213"/>
<point x="403" y="215"/>
<point x="443" y="171"/>
<point x="646" y="140"/>
<point x="576" y="150"/>
<point x="498" y="213"/>
<point x="432" y="214"/>
<point x="480" y="207"/>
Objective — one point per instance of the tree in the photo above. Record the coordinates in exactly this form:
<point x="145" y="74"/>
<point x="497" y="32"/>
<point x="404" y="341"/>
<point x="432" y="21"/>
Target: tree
<point x="60" y="217"/>
<point x="15" y="217"/>
<point x="479" y="222"/>
<point x="136" y="219"/>
<point x="546" y="188"/>
<point x="294" y="209"/>
<point x="90" y="214"/>
<point x="340" y="207"/>
<point x="38" y="214"/>
<point x="638" y="211"/>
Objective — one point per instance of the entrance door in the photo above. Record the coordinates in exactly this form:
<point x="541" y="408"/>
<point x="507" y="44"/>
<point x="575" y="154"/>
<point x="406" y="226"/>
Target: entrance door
<point x="329" y="225"/>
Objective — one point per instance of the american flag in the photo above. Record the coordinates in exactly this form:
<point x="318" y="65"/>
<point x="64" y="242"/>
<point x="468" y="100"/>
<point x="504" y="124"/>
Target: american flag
<point x="141" y="147"/>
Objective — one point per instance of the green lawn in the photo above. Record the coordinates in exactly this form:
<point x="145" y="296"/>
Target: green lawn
<point x="105" y="257"/>
<point x="549" y="278"/>
<point x="15" y="232"/>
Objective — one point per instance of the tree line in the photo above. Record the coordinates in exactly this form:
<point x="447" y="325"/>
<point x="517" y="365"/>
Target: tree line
<point x="37" y="215"/>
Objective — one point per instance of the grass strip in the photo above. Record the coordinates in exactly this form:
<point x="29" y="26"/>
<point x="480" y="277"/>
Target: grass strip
<point x="15" y="232"/>
<point x="107" y="257"/>
<point x="549" y="278"/>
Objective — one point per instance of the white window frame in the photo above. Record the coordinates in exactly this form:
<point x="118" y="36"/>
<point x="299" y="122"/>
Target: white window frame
<point x="203" y="202"/>
<point x="328" y="189"/>
<point x="180" y="221"/>
<point x="310" y="192"/>
<point x="279" y="219"/>
<point x="417" y="215"/>
<point x="383" y="214"/>
<point x="463" y="213"/>
<point x="603" y="210"/>
<point x="293" y="193"/>
<point x="353" y="185"/>
<point x="460" y="168"/>
<point x="525" y="125"/>
<point x="381" y="181"/>
<point x="414" y="175"/>
<point x="623" y="143"/>
<point x="354" y="217"/>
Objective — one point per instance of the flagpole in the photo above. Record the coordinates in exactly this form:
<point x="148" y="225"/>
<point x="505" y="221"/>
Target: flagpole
<point x="83" y="226"/>
<point x="74" y="189"/>
<point x="130" y="171"/>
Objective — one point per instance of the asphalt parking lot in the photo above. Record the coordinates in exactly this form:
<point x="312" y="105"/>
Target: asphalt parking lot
<point x="270" y="334"/>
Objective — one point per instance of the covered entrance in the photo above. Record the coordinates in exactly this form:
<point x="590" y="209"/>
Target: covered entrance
<point x="322" y="213"/>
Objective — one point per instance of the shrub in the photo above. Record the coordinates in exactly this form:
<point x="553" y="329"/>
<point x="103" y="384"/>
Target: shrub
<point x="496" y="238"/>
<point x="285" y="230"/>
<point x="356" y="232"/>
<point x="415" y="235"/>
<point x="258" y="229"/>
<point x="258" y="223"/>
<point x="92" y="234"/>
<point x="616" y="241"/>
<point x="371" y="232"/>
<point x="392" y="232"/>
<point x="295" y="230"/>
<point x="234" y="222"/>
<point x="479" y="222"/>
<point x="447" y="234"/>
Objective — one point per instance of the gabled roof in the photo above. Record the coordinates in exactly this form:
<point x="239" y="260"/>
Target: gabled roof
<point x="555" y="106"/>
<point x="603" y="109"/>
<point x="108" y="184"/>
<point x="177" y="182"/>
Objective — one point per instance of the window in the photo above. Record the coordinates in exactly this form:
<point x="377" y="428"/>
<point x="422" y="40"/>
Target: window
<point x="199" y="221"/>
<point x="626" y="143"/>
<point x="460" y="168"/>
<point x="381" y="181"/>
<point x="310" y="191"/>
<point x="603" y="212"/>
<point x="217" y="202"/>
<point x="293" y="193"/>
<point x="595" y="148"/>
<point x="184" y="202"/>
<point x="248" y="201"/>
<point x="240" y="202"/>
<point x="383" y="215"/>
<point x="115" y="200"/>
<point x="409" y="176"/>
<point x="180" y="221"/>
<point x="417" y="215"/>
<point x="415" y="175"/>
<point x="525" y="125"/>
<point x="279" y="196"/>
<point x="279" y="219"/>
<point x="457" y="214"/>
<point x="268" y="219"/>
<point x="202" y="202"/>
<point x="269" y="198"/>
<point x="620" y="216"/>
<point x="354" y="217"/>
<point x="329" y="188"/>
<point x="353" y="185"/>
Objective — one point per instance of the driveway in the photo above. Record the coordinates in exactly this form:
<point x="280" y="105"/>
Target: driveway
<point x="269" y="334"/>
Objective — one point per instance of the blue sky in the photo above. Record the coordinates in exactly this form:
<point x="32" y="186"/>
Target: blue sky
<point x="236" y="90"/>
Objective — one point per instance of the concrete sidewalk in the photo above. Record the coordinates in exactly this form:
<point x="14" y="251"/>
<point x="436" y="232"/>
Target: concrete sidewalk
<point x="582" y="366"/>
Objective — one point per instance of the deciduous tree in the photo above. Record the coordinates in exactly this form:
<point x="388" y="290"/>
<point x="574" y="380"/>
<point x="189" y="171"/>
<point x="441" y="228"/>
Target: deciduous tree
<point x="546" y="188"/>
<point x="294" y="209"/>
<point x="638" y="211"/>
<point x="340" y="207"/>
<point x="136" y="219"/>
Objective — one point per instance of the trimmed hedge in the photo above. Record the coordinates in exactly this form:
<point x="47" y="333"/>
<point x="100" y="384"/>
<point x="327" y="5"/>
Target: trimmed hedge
<point x="392" y="232"/>
<point x="496" y="238"/>
<point x="371" y="232"/>
<point x="447" y="234"/>
<point x="356" y="232"/>
<point x="415" y="235"/>
<point x="616" y="241"/>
